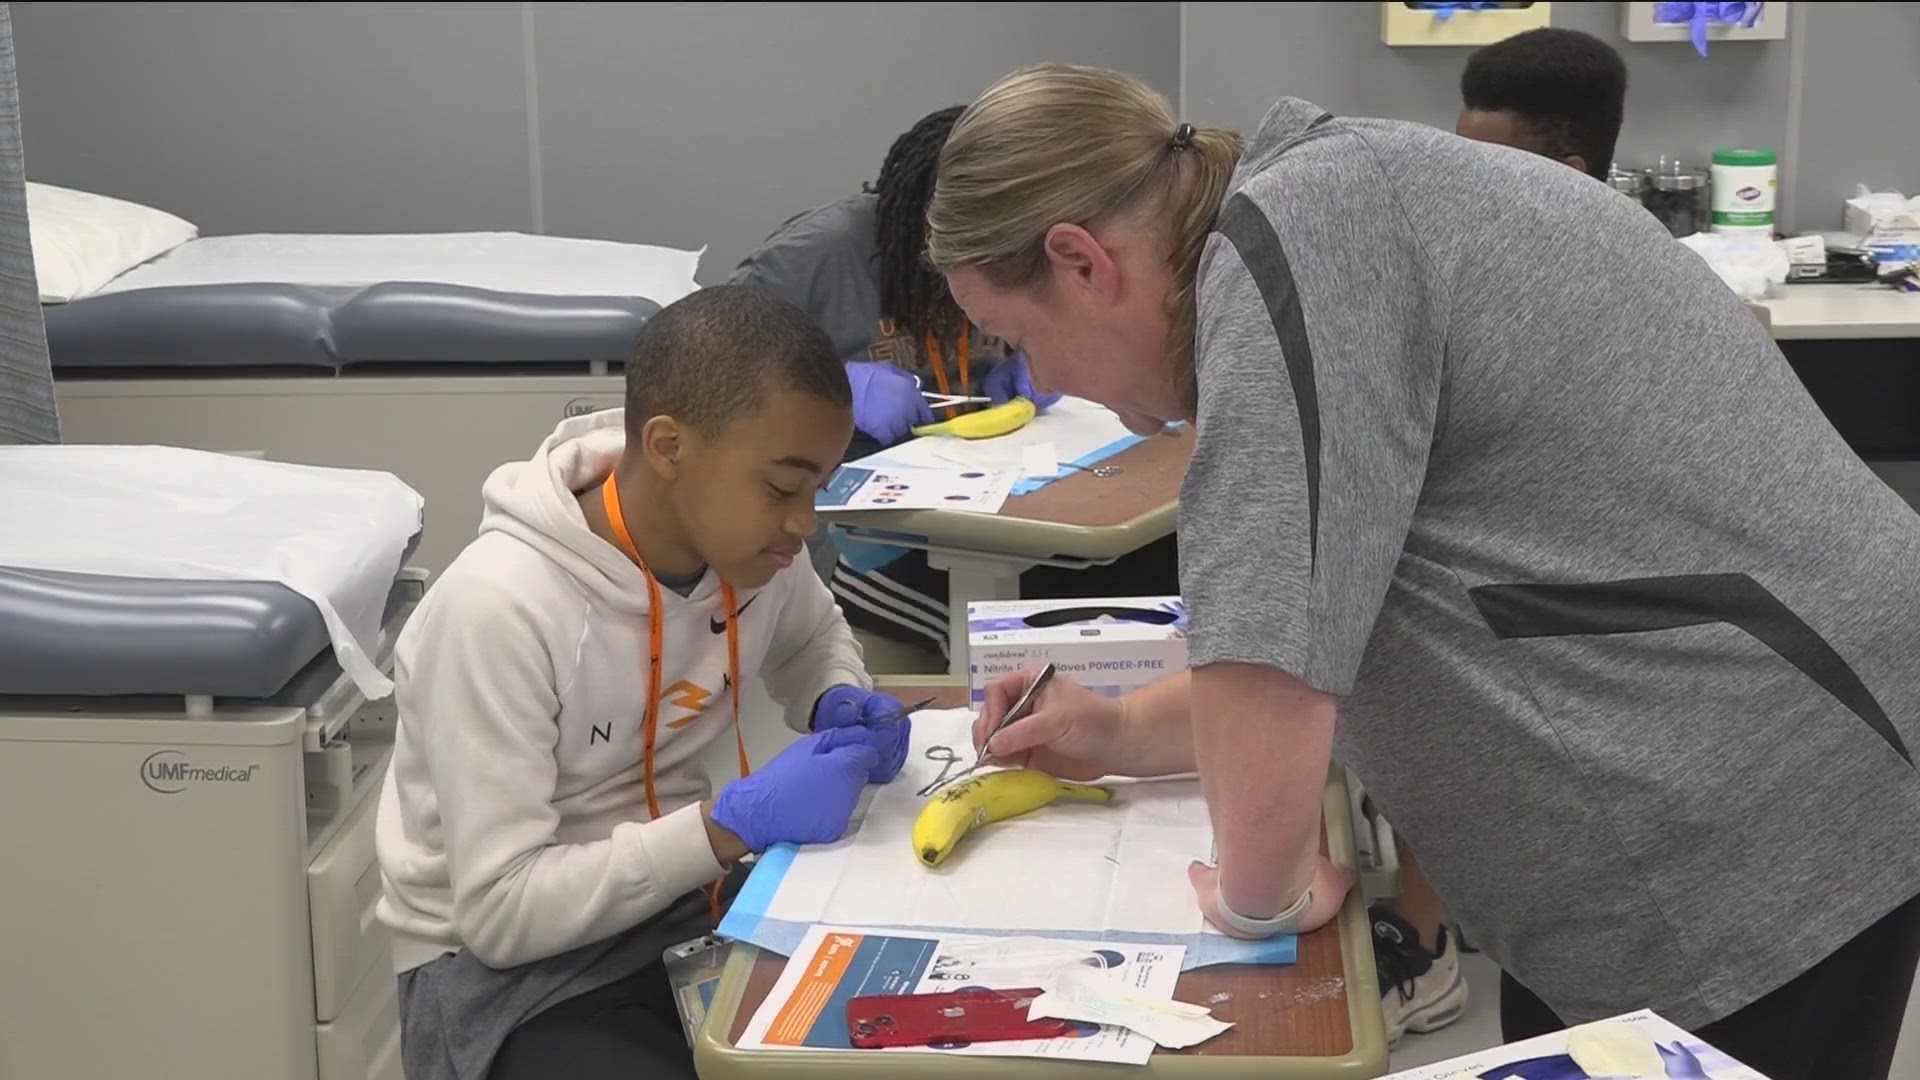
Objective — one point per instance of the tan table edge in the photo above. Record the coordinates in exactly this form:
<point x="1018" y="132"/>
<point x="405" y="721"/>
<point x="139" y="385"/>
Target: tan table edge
<point x="1010" y="533"/>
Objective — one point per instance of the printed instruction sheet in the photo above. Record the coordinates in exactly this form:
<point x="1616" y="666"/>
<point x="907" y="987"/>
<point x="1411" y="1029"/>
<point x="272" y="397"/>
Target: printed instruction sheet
<point x="1641" y="1044"/>
<point x="861" y="487"/>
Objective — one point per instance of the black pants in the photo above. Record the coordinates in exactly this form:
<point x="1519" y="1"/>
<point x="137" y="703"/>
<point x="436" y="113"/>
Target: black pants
<point x="629" y="1029"/>
<point x="1840" y="1018"/>
<point x="626" y="1030"/>
<point x="906" y="600"/>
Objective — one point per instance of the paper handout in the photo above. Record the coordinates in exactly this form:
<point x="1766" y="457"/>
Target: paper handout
<point x="857" y="487"/>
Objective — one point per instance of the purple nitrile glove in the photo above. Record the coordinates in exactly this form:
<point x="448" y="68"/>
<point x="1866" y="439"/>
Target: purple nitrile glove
<point x="805" y="795"/>
<point x="882" y="714"/>
<point x="1014" y="378"/>
<point x="887" y="403"/>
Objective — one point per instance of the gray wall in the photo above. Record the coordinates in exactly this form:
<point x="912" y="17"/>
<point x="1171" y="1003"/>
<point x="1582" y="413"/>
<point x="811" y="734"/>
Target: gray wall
<point x="711" y="123"/>
<point x="1857" y="63"/>
<point x="1859" y="105"/>
<point x="680" y="124"/>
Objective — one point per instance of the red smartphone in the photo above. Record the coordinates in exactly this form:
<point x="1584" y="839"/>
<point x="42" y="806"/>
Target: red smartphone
<point x="945" y="1021"/>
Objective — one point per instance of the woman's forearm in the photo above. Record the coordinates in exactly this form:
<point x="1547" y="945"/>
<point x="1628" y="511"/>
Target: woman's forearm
<point x="1262" y="741"/>
<point x="1156" y="728"/>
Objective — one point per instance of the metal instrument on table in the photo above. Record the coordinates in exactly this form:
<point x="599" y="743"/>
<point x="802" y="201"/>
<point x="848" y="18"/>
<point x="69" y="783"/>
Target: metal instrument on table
<point x="1101" y="471"/>
<point x="1021" y="708"/>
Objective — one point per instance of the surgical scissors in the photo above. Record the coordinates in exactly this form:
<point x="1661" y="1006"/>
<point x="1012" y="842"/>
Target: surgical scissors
<point x="1021" y="708"/>
<point x="942" y="754"/>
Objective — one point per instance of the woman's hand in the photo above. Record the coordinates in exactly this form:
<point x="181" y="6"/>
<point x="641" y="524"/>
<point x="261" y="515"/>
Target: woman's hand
<point x="1071" y="732"/>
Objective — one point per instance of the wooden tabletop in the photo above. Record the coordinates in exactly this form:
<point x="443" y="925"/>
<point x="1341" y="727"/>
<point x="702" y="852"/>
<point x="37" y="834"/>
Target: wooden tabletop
<point x="1298" y="1010"/>
<point x="1149" y="478"/>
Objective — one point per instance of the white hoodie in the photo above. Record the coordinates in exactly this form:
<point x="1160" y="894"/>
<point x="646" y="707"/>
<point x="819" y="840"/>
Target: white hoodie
<point x="514" y="818"/>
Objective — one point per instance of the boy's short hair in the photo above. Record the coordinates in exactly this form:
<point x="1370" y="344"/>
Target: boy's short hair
<point x="1569" y="87"/>
<point x="713" y="356"/>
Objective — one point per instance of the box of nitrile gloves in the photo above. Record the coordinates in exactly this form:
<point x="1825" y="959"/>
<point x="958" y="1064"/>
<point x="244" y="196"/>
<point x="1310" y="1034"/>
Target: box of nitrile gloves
<point x="1110" y="646"/>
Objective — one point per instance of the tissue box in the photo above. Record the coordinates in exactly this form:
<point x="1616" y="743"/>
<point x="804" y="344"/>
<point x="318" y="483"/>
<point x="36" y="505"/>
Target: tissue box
<point x="1884" y="219"/>
<point x="1681" y="1054"/>
<point x="1110" y="646"/>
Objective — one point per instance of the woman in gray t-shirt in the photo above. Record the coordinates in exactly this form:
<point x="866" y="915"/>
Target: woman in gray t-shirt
<point x="1503" y="500"/>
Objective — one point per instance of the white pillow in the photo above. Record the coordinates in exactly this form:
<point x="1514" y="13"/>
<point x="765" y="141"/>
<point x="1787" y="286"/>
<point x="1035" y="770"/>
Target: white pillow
<point x="83" y="241"/>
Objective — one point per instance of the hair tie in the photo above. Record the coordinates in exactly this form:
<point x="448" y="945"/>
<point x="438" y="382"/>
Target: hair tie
<point x="1183" y="137"/>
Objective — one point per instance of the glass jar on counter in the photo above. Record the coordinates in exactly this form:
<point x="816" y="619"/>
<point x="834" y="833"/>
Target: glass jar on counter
<point x="1682" y="198"/>
<point x="1629" y="182"/>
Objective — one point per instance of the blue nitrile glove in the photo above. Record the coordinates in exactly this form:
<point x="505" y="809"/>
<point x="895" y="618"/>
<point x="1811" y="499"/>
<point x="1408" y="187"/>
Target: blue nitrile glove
<point x="882" y="714"/>
<point x="1013" y="378"/>
<point x="886" y="401"/>
<point x="1680" y="1062"/>
<point x="805" y="795"/>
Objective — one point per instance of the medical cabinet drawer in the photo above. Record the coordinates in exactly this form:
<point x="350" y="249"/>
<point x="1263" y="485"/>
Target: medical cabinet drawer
<point x="343" y="887"/>
<point x="364" y="1042"/>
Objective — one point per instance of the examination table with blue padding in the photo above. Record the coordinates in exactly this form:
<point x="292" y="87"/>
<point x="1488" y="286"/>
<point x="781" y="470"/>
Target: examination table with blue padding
<point x="188" y="781"/>
<point x="436" y="383"/>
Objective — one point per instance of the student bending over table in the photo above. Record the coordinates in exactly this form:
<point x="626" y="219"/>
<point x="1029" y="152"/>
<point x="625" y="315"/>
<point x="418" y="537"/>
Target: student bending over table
<point x="858" y="266"/>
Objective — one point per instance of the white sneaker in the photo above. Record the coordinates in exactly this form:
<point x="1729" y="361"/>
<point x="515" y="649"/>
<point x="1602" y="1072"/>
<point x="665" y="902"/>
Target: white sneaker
<point x="1419" y="990"/>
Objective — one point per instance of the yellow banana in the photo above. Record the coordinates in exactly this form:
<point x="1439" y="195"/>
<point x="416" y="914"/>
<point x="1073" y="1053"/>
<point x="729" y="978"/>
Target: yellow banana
<point x="985" y="424"/>
<point x="985" y="799"/>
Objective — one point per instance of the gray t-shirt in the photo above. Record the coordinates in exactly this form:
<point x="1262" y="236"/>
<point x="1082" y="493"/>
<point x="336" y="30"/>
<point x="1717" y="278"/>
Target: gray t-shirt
<point x="1627" y="639"/>
<point x="827" y="262"/>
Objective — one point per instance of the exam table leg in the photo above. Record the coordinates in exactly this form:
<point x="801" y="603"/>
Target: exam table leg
<point x="972" y="577"/>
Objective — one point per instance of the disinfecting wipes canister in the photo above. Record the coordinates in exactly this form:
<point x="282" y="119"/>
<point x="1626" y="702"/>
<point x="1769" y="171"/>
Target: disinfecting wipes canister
<point x="1745" y="186"/>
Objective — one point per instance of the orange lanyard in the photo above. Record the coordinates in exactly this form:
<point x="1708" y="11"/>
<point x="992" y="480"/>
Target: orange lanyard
<point x="940" y="368"/>
<point x="656" y="645"/>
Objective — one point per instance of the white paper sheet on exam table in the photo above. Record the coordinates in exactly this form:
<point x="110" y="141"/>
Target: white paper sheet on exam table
<point x="1078" y="431"/>
<point x="1087" y="872"/>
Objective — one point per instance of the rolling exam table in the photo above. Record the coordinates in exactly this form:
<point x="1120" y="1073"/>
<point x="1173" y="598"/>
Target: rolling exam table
<point x="188" y="782"/>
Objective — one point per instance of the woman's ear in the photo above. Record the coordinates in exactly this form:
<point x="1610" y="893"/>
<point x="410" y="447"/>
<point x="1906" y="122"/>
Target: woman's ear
<point x="1073" y="255"/>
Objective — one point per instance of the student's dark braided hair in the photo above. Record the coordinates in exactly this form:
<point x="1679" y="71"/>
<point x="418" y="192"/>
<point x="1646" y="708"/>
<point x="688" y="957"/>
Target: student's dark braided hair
<point x="912" y="292"/>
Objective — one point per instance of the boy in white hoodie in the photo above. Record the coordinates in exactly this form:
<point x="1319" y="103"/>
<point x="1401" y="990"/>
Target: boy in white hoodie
<point x="546" y="828"/>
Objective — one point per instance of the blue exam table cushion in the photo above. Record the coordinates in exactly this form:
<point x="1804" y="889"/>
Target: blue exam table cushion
<point x="72" y="636"/>
<point x="266" y="325"/>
